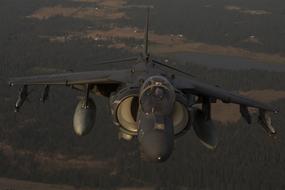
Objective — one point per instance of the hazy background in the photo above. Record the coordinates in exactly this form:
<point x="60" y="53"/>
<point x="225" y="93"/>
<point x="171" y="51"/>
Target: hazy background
<point x="52" y="36"/>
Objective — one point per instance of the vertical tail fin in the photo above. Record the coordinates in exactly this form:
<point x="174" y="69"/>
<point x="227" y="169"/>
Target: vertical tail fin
<point x="146" y="53"/>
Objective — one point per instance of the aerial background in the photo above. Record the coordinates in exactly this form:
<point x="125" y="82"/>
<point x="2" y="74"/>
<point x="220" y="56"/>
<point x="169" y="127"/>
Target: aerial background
<point x="237" y="44"/>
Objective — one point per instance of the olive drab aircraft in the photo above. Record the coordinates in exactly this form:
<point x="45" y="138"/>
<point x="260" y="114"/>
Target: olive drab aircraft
<point x="148" y="103"/>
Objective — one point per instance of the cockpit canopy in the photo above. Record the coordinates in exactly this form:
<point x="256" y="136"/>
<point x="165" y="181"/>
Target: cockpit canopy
<point x="157" y="96"/>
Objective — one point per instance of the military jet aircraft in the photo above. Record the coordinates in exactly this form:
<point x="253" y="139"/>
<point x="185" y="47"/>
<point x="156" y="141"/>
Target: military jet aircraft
<point x="147" y="102"/>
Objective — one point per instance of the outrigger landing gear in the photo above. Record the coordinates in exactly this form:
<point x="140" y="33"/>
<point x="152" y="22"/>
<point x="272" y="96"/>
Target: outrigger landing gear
<point x="265" y="120"/>
<point x="22" y="96"/>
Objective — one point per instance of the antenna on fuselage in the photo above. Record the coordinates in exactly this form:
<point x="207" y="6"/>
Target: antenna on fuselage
<point x="146" y="41"/>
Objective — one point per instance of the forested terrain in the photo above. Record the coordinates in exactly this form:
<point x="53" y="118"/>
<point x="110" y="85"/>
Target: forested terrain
<point x="39" y="144"/>
<point x="212" y="22"/>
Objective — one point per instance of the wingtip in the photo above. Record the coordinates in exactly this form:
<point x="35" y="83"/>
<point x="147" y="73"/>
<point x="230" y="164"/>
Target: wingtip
<point x="10" y="83"/>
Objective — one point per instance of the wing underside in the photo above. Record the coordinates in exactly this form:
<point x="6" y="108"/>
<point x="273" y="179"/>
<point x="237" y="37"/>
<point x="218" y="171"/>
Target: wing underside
<point x="216" y="93"/>
<point x="93" y="77"/>
<point x="106" y="82"/>
<point x="208" y="94"/>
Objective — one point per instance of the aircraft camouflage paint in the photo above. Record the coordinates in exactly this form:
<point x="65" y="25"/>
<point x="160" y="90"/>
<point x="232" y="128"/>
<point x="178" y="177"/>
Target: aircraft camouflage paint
<point x="147" y="102"/>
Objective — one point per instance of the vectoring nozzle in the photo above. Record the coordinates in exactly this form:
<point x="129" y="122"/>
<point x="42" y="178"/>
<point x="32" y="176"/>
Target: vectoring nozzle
<point x="22" y="96"/>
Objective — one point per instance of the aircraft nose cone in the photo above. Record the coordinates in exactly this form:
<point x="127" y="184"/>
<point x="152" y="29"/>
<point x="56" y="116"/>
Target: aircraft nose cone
<point x="155" y="136"/>
<point x="156" y="146"/>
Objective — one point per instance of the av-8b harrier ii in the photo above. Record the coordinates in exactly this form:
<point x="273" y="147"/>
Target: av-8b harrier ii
<point x="148" y="102"/>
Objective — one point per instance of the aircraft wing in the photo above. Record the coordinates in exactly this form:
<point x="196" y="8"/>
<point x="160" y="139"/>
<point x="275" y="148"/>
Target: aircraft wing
<point x="213" y="92"/>
<point x="76" y="78"/>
